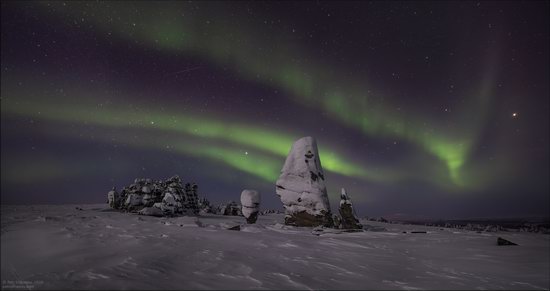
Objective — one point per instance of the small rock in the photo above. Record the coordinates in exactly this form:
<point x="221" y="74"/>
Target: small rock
<point x="236" y="227"/>
<point x="504" y="242"/>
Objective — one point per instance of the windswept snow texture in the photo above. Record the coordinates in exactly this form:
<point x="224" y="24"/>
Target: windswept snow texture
<point x="97" y="248"/>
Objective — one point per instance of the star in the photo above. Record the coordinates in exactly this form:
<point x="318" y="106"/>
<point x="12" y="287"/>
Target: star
<point x="514" y="115"/>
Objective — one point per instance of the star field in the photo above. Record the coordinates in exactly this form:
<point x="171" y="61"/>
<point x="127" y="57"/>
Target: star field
<point x="419" y="109"/>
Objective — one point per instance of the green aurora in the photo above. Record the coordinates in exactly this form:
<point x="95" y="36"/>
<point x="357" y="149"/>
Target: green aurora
<point x="207" y="34"/>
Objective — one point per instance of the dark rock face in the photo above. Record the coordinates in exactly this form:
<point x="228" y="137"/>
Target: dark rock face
<point x="236" y="227"/>
<point x="337" y="221"/>
<point x="303" y="218"/>
<point x="252" y="218"/>
<point x="349" y="220"/>
<point x="504" y="242"/>
<point x="157" y="198"/>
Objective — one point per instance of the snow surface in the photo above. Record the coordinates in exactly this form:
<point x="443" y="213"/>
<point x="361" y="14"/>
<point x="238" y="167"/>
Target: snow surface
<point x="61" y="247"/>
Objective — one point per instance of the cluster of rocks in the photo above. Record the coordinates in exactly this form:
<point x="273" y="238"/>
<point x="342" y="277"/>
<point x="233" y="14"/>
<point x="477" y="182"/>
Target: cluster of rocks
<point x="230" y="208"/>
<point x="204" y="206"/>
<point x="156" y="198"/>
<point x="270" y="211"/>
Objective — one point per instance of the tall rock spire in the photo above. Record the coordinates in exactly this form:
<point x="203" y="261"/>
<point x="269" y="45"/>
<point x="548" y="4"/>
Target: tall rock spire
<point x="301" y="186"/>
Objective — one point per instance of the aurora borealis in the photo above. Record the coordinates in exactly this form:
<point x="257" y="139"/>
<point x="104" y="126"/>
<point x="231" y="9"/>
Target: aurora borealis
<point x="420" y="109"/>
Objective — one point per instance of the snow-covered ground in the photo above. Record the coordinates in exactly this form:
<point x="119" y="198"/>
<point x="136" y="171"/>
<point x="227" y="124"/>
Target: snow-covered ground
<point x="61" y="247"/>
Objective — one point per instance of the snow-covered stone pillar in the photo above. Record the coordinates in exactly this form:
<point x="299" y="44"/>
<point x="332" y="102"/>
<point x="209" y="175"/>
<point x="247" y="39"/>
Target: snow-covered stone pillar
<point x="113" y="198"/>
<point x="301" y="186"/>
<point x="349" y="220"/>
<point x="250" y="201"/>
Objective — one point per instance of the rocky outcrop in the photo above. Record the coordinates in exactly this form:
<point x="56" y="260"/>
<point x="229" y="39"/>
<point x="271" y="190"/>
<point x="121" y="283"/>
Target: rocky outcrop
<point x="204" y="206"/>
<point x="231" y="208"/>
<point x="348" y="218"/>
<point x="157" y="198"/>
<point x="250" y="201"/>
<point x="301" y="186"/>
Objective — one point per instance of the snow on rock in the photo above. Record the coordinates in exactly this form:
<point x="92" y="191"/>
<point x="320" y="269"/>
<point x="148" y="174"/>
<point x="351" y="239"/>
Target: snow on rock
<point x="348" y="220"/>
<point x="231" y="208"/>
<point x="169" y="197"/>
<point x="204" y="206"/>
<point x="170" y="205"/>
<point x="133" y="200"/>
<point x="250" y="201"/>
<point x="147" y="200"/>
<point x="301" y="186"/>
<point x="113" y="198"/>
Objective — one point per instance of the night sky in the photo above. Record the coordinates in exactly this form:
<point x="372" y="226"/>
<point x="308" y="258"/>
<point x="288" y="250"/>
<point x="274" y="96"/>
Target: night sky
<point x="420" y="109"/>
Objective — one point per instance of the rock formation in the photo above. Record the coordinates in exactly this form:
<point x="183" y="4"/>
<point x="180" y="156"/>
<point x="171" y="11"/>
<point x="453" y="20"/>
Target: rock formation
<point x="113" y="198"/>
<point x="232" y="208"/>
<point x="157" y="198"/>
<point x="301" y="186"/>
<point x="204" y="206"/>
<point x="349" y="220"/>
<point x="250" y="201"/>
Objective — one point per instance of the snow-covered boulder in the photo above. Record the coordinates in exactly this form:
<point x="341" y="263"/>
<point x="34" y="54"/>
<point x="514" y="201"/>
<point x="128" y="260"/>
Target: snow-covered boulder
<point x="146" y="189"/>
<point x="250" y="201"/>
<point x="301" y="186"/>
<point x="349" y="220"/>
<point x="148" y="200"/>
<point x="133" y="200"/>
